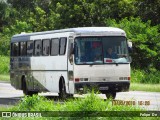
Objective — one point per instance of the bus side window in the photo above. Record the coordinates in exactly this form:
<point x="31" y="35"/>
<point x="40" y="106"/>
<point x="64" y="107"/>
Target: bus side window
<point x="37" y="48"/>
<point x="54" y="46"/>
<point x="15" y="49"/>
<point x="63" y="42"/>
<point x="46" y="47"/>
<point x="22" y="48"/>
<point x="29" y="48"/>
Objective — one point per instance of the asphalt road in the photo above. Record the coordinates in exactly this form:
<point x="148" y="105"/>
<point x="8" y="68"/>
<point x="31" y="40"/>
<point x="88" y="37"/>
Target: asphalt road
<point x="148" y="100"/>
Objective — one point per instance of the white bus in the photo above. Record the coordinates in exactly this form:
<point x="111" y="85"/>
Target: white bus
<point x="69" y="60"/>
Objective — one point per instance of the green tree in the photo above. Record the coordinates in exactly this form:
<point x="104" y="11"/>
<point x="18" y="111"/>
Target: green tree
<point x="149" y="10"/>
<point x="37" y="14"/>
<point x="4" y="45"/>
<point x="18" y="16"/>
<point x="4" y="13"/>
<point x="76" y="13"/>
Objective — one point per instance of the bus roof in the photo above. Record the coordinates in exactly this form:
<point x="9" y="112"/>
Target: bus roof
<point x="75" y="30"/>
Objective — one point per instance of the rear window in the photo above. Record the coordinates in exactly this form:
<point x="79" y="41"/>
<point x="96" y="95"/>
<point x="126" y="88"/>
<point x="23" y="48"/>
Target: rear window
<point x="15" y="49"/>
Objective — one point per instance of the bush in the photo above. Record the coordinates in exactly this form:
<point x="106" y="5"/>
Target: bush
<point x="90" y="106"/>
<point x="4" y="64"/>
<point x="34" y="103"/>
<point x="145" y="76"/>
<point x="4" y="45"/>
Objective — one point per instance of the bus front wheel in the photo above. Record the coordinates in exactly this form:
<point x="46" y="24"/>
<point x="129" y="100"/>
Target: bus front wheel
<point x="111" y="95"/>
<point x="62" y="90"/>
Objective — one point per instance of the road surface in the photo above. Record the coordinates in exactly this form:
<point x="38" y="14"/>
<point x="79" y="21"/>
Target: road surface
<point x="148" y="100"/>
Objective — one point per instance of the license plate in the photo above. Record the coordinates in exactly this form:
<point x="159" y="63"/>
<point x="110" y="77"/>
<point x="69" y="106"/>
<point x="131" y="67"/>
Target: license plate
<point x="104" y="88"/>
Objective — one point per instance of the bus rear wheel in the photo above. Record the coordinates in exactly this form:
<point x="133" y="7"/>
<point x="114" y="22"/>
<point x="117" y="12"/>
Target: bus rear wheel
<point x="25" y="89"/>
<point x="62" y="90"/>
<point x="111" y="95"/>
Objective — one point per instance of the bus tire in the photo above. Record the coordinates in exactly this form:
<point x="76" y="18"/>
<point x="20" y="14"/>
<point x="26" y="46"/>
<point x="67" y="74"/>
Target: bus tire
<point x="111" y="95"/>
<point x="62" y="90"/>
<point x="24" y="86"/>
<point x="25" y="89"/>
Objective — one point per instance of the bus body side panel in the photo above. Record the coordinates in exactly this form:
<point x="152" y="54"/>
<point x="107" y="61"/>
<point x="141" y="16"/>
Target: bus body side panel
<point x="42" y="73"/>
<point x="48" y="70"/>
<point x="20" y="68"/>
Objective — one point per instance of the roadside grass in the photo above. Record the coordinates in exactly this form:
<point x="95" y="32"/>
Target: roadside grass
<point x="145" y="87"/>
<point x="79" y="108"/>
<point x="4" y="68"/>
<point x="145" y="80"/>
<point x="5" y="108"/>
<point x="89" y="103"/>
<point x="75" y="108"/>
<point x="145" y="76"/>
<point x="5" y="77"/>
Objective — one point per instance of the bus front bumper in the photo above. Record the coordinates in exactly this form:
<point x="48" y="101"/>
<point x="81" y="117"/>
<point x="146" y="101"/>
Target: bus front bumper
<point x="102" y="87"/>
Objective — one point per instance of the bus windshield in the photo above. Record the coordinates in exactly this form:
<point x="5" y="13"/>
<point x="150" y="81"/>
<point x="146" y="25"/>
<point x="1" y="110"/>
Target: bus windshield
<point x="101" y="50"/>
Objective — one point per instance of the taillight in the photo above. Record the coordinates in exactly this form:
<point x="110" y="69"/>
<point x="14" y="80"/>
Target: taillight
<point x="129" y="78"/>
<point x="76" y="79"/>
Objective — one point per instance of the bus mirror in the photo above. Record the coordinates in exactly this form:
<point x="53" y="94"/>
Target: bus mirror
<point x="130" y="46"/>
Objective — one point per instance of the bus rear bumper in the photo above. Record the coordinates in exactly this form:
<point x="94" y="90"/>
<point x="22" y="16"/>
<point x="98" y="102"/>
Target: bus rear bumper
<point x="102" y="87"/>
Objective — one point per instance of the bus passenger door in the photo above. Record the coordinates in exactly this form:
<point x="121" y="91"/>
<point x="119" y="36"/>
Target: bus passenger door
<point x="70" y="67"/>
